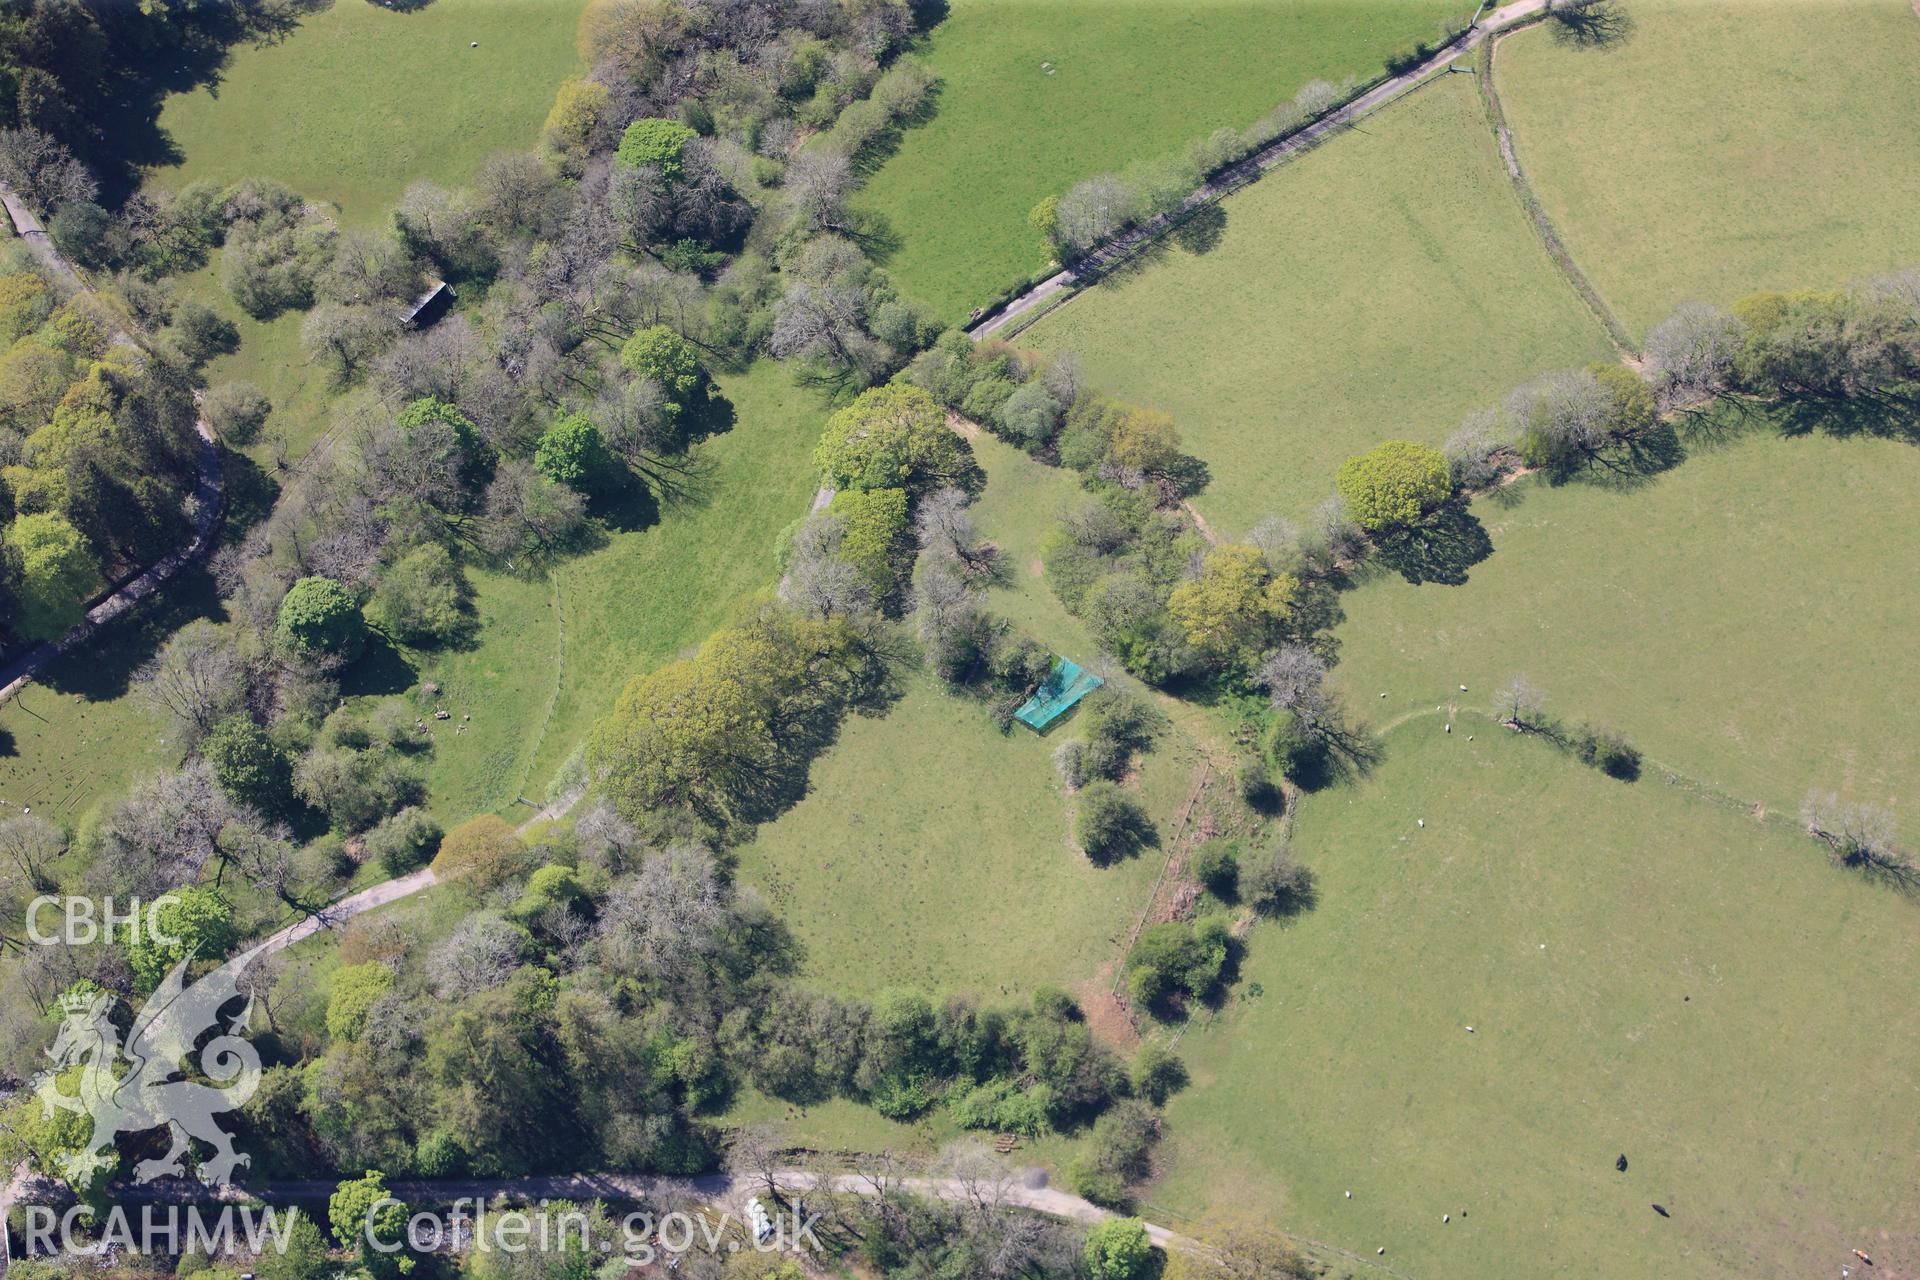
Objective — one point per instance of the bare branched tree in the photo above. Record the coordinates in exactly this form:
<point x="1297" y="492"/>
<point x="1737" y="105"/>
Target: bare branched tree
<point x="1519" y="704"/>
<point x="1094" y="209"/>
<point x="163" y="833"/>
<point x="1472" y="452"/>
<point x="1294" y="677"/>
<point x="669" y="917"/>
<point x="1859" y="835"/>
<point x="826" y="587"/>
<point x="1279" y="542"/>
<point x="818" y="184"/>
<point x="197" y="679"/>
<point x="756" y="1151"/>
<point x="478" y="956"/>
<point x="606" y="839"/>
<point x="29" y="844"/>
<point x="42" y="170"/>
<point x="984" y="1178"/>
<point x="944" y="524"/>
<point x="1692" y="351"/>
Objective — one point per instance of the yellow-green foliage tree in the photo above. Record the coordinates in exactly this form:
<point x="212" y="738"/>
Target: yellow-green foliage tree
<point x="1393" y="484"/>
<point x="1236" y="607"/>
<point x="354" y="990"/>
<point x="875" y="541"/>
<point x="576" y="110"/>
<point x="712" y="734"/>
<point x="894" y="437"/>
<point x="50" y="571"/>
<point x="483" y="850"/>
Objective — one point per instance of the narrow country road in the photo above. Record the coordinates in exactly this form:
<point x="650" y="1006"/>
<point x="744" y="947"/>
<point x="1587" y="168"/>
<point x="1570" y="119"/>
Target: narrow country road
<point x="209" y="493"/>
<point x="1096" y="261"/>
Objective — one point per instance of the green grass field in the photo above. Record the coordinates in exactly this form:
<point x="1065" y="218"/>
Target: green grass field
<point x="1022" y="504"/>
<point x="932" y="852"/>
<point x="272" y="358"/>
<point x="361" y="100"/>
<point x="1378" y="287"/>
<point x="1131" y="80"/>
<point x="1732" y="618"/>
<point x="1646" y="974"/>
<point x="640" y="600"/>
<point x="78" y="736"/>
<point x="1721" y="149"/>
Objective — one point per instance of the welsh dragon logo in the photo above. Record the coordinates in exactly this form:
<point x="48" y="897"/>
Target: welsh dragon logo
<point x="149" y="1092"/>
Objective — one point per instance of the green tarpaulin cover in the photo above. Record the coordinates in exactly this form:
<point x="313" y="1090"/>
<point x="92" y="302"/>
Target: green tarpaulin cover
<point x="1066" y="685"/>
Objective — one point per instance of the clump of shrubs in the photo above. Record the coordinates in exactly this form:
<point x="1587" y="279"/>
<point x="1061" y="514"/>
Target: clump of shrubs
<point x="1119" y="1153"/>
<point x="1216" y="865"/>
<point x="404" y="840"/>
<point x="1257" y="787"/>
<point x="1274" y="883"/>
<point x="1608" y="752"/>
<point x="1178" y="961"/>
<point x="1112" y="825"/>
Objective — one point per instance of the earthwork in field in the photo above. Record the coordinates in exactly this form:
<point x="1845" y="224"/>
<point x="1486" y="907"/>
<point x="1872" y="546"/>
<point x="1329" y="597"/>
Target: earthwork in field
<point x="1715" y="149"/>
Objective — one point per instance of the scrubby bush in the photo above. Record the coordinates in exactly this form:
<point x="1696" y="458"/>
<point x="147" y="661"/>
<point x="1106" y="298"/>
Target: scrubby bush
<point x="1608" y="752"/>
<point x="1255" y="786"/>
<point x="236" y="411"/>
<point x="1157" y="1073"/>
<point x="318" y="616"/>
<point x="356" y="786"/>
<point x="404" y="841"/>
<point x="1273" y="882"/>
<point x="1178" y="959"/>
<point x="1111" y="825"/>
<point x="1216" y="865"/>
<point x="420" y="599"/>
<point x="1290" y="746"/>
<point x="1118" y="1249"/>
<point x="201" y="334"/>
<point x="80" y="229"/>
<point x="1119" y="726"/>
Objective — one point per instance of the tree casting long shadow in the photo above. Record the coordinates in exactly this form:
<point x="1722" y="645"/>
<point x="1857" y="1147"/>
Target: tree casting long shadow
<point x="1440" y="549"/>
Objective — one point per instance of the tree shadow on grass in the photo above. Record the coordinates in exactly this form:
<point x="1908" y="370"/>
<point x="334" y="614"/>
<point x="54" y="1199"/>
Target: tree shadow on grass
<point x="1719" y="422"/>
<point x="1635" y="462"/>
<point x="8" y="748"/>
<point x="250" y="491"/>
<point x="380" y="670"/>
<point x="870" y="230"/>
<point x="1591" y="24"/>
<point x="627" y="507"/>
<point x="102" y="668"/>
<point x="179" y="54"/>
<point x="1885" y="416"/>
<point x="787" y="776"/>
<point x="1440" y="549"/>
<point x="1201" y="231"/>
<point x="1346" y="753"/>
